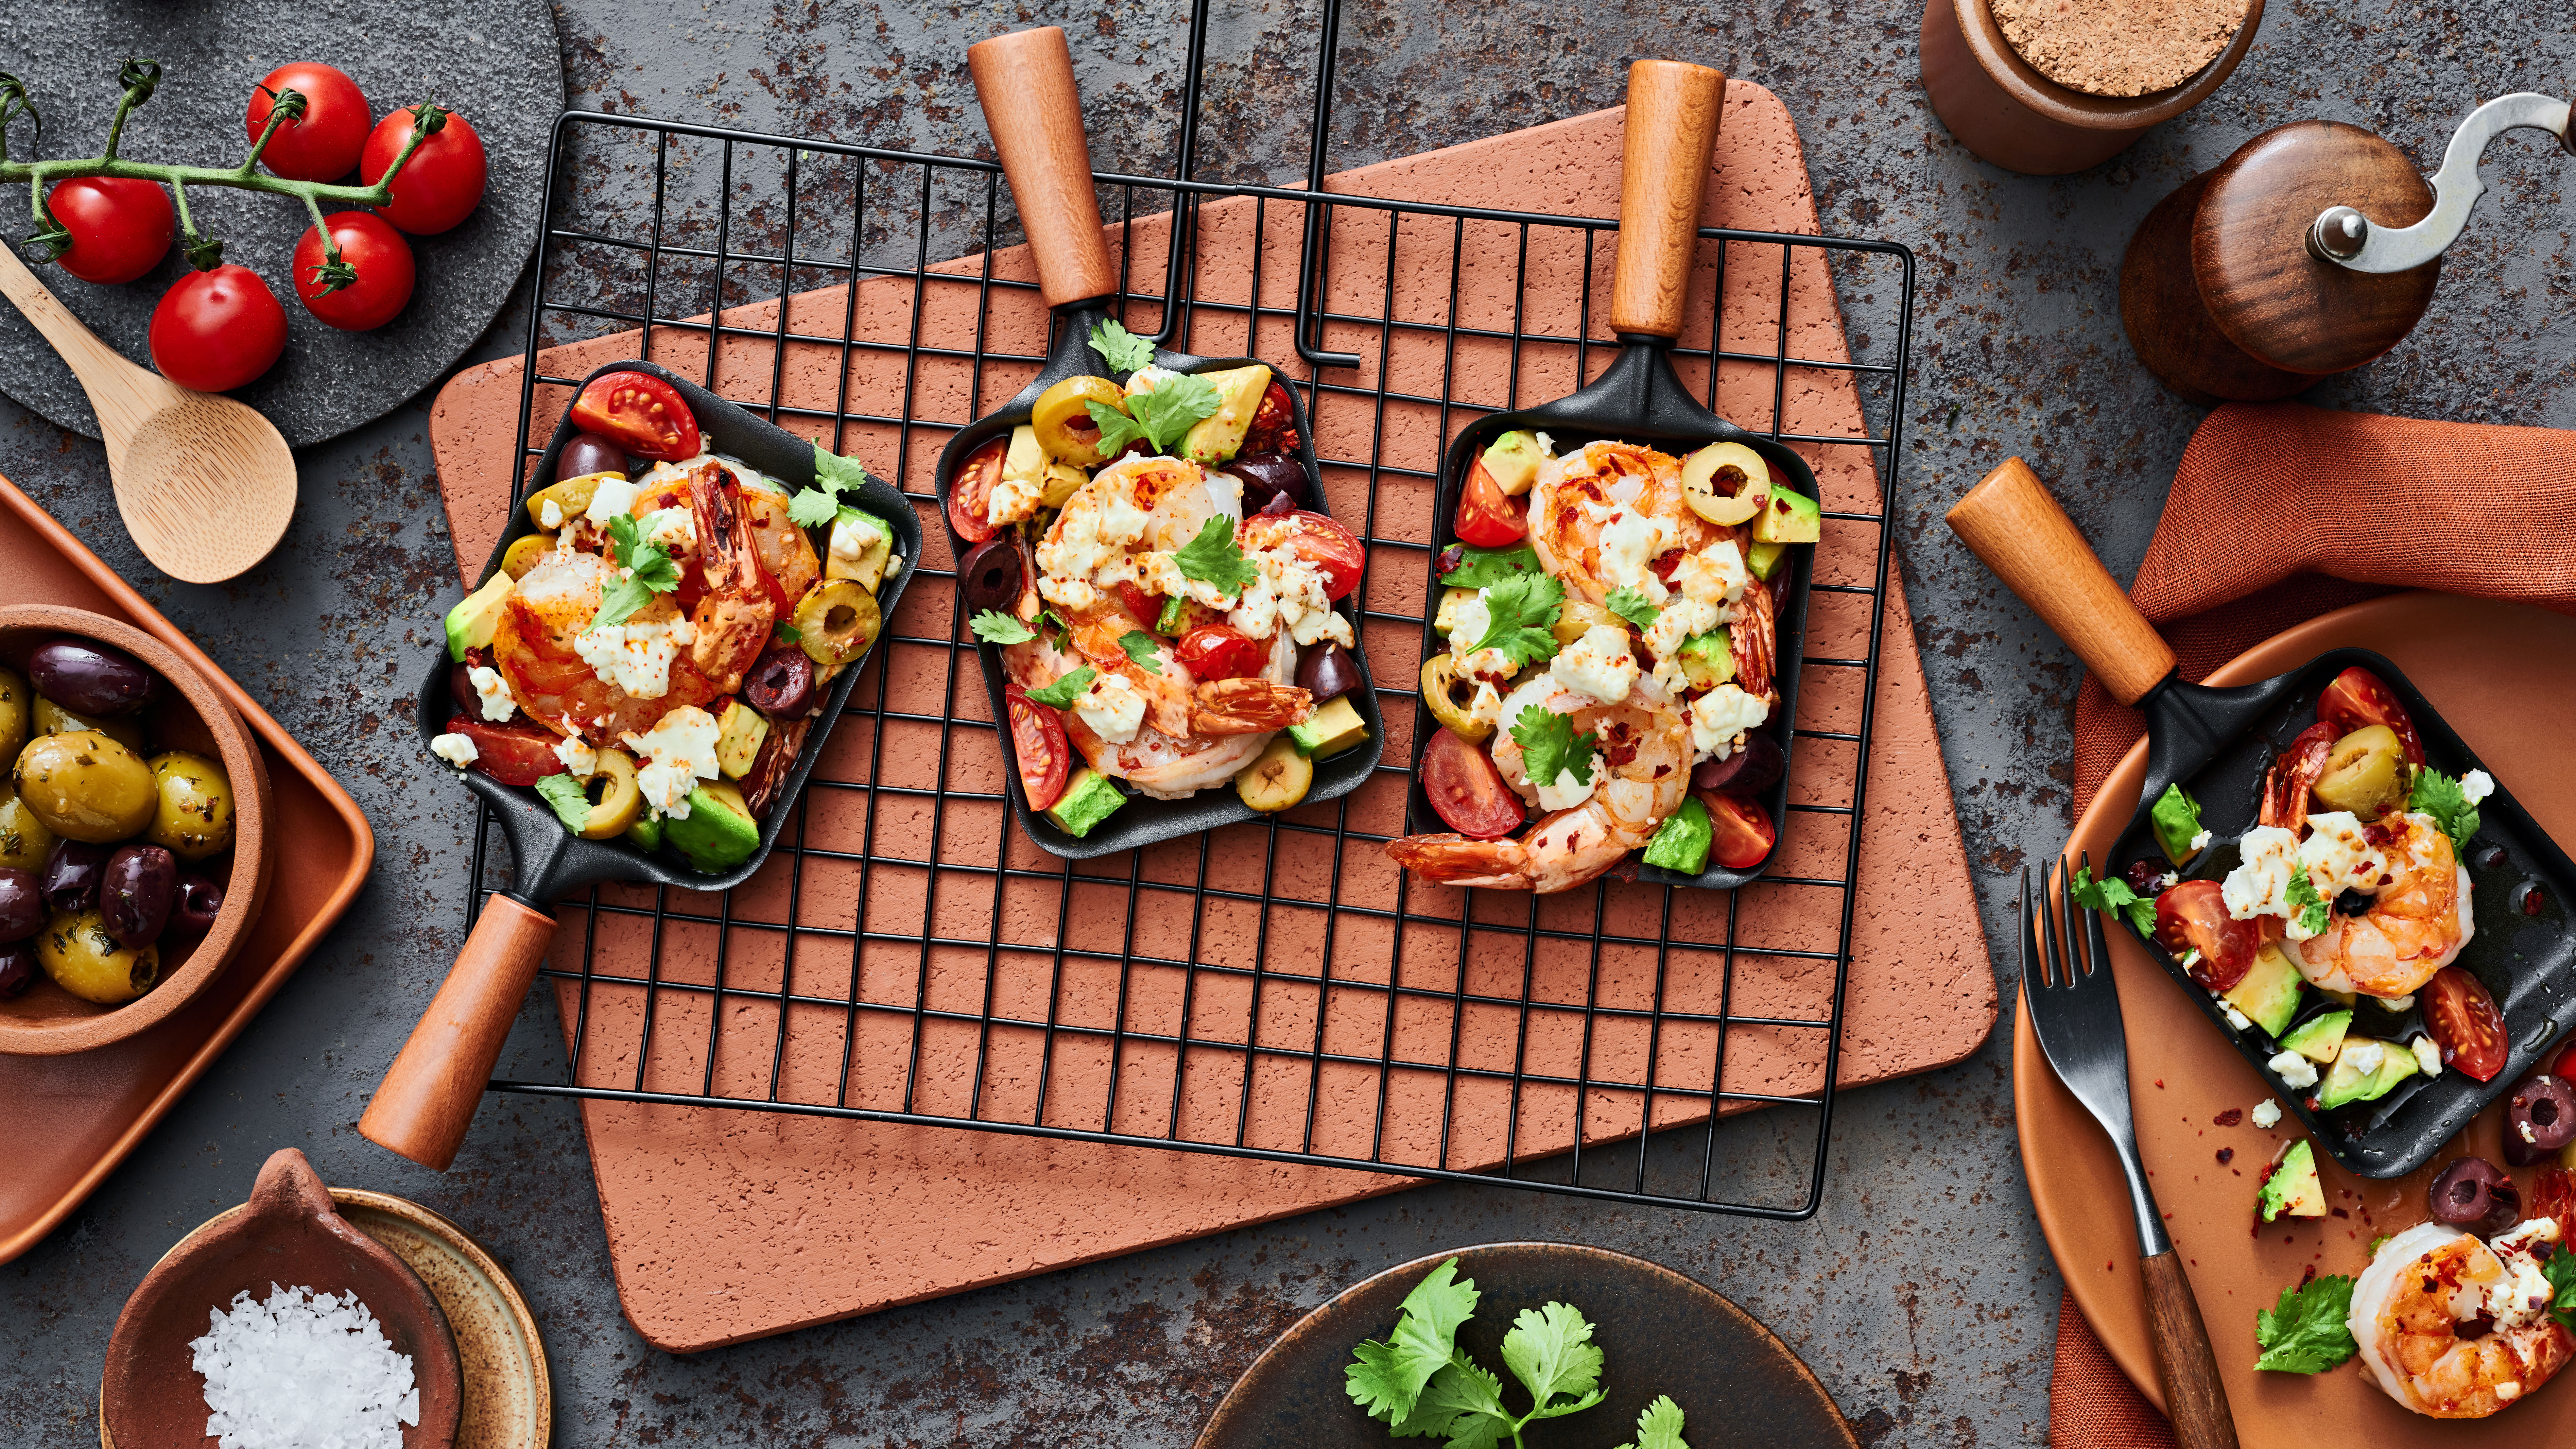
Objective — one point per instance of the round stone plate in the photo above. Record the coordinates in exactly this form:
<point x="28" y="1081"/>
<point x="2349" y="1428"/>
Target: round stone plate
<point x="1659" y="1333"/>
<point x="495" y="62"/>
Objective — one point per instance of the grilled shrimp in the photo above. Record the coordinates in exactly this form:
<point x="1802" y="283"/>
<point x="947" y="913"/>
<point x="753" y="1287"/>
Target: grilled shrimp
<point x="532" y="646"/>
<point x="1753" y="634"/>
<point x="1578" y="494"/>
<point x="1112" y="526"/>
<point x="2455" y="1329"/>
<point x="1162" y="764"/>
<point x="2293" y="775"/>
<point x="1248" y="706"/>
<point x="2418" y="920"/>
<point x="737" y="610"/>
<point x="1096" y="635"/>
<point x="1643" y="776"/>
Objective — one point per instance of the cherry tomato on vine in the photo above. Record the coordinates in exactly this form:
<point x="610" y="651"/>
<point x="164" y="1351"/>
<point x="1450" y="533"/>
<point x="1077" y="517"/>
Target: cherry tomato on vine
<point x="1038" y="738"/>
<point x="1316" y="539"/>
<point x="121" y="227"/>
<point x="1219" y="651"/>
<point x="443" y="181"/>
<point x="217" y="330"/>
<point x="382" y="258"/>
<point x="323" y="143"/>
<point x="1487" y="516"/>
<point x="970" y="494"/>
<point x="640" y="413"/>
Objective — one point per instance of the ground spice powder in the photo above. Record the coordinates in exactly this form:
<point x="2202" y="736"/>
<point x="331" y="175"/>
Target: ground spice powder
<point x="2119" y="47"/>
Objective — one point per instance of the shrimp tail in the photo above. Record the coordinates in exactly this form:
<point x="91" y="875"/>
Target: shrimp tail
<point x="2293" y="775"/>
<point x="1456" y="860"/>
<point x="735" y="618"/>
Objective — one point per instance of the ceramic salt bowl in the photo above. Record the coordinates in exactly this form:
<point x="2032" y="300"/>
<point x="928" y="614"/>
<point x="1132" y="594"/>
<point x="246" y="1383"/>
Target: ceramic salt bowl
<point x="191" y="715"/>
<point x="288" y="1234"/>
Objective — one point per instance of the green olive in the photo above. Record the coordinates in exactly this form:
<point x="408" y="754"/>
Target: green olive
<point x="76" y="950"/>
<point x="192" y="810"/>
<point x="1450" y="697"/>
<point x="571" y="499"/>
<point x="86" y="786"/>
<point x="53" y="719"/>
<point x="16" y="713"/>
<point x="837" y="621"/>
<point x="615" y="800"/>
<point x="25" y="841"/>
<point x="1276" y="779"/>
<point x="525" y="553"/>
<point x="2361" y="773"/>
<point x="1063" y="421"/>
<point x="1575" y="618"/>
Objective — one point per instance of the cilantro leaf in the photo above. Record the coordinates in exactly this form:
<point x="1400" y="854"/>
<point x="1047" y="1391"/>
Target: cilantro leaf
<point x="2439" y="796"/>
<point x="1479" y="567"/>
<point x="995" y="627"/>
<point x="1162" y="416"/>
<point x="1472" y="1398"/>
<point x="1550" y="1350"/>
<point x="1660" y="1427"/>
<point x="2113" y="894"/>
<point x="1065" y="691"/>
<point x="1387" y="1379"/>
<point x="1519" y="612"/>
<point x="789" y="634"/>
<point x="571" y="802"/>
<point x="1215" y="558"/>
<point x="2305" y="1332"/>
<point x="1140" y="647"/>
<point x="819" y="504"/>
<point x="1123" y="350"/>
<point x="2560" y="1269"/>
<point x="1048" y="620"/>
<point x="1550" y="747"/>
<point x="2176" y="821"/>
<point x="653" y="573"/>
<point x="1631" y="605"/>
<point x="2303" y="894"/>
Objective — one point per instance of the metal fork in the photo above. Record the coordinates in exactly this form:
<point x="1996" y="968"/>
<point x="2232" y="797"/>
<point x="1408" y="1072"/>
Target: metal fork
<point x="2074" y="1007"/>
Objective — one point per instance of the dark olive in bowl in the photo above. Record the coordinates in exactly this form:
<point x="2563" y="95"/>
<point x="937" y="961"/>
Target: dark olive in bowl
<point x="200" y="900"/>
<point x="17" y="968"/>
<point x="72" y="872"/>
<point x="89" y="679"/>
<point x="585" y="453"/>
<point x="136" y="893"/>
<point x="22" y="904"/>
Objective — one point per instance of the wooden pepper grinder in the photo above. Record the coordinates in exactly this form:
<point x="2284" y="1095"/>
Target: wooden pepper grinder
<point x="2310" y="251"/>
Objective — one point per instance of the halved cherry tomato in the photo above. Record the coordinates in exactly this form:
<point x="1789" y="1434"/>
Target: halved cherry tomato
<point x="1146" y="607"/>
<point x="1316" y="539"/>
<point x="970" y="495"/>
<point x="2193" y="917"/>
<point x="1463" y="785"/>
<point x="641" y="412"/>
<point x="2358" y="698"/>
<point x="1740" y="836"/>
<point x="1274" y="425"/>
<point x="2464" y="1022"/>
<point x="1487" y="516"/>
<point x="514" y="754"/>
<point x="1216" y="651"/>
<point x="1038" y="738"/>
<point x="2566" y="1063"/>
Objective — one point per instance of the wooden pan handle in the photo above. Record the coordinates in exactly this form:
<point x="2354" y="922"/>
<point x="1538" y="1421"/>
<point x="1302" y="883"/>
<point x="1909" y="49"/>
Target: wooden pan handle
<point x="1025" y="80"/>
<point x="429" y="1094"/>
<point x="1663" y="169"/>
<point x="2011" y="522"/>
<point x="2195" y="1397"/>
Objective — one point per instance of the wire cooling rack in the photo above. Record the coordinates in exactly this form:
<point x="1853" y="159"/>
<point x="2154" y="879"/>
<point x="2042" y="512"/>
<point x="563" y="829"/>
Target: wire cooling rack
<point x="1275" y="990"/>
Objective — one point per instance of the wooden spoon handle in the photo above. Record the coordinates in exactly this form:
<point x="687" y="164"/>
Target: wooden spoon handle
<point x="105" y="373"/>
<point x="1663" y="169"/>
<point x="1025" y="80"/>
<point x="2195" y="1397"/>
<point x="2011" y="522"/>
<point x="429" y="1094"/>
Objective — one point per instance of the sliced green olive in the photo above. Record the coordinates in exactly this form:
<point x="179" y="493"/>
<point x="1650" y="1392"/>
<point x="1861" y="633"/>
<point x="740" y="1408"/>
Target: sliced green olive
<point x="1277" y="778"/>
<point x="526" y="553"/>
<point x="837" y="621"/>
<point x="2361" y="772"/>
<point x="1064" y="424"/>
<point x="1451" y="697"/>
<point x="615" y="801"/>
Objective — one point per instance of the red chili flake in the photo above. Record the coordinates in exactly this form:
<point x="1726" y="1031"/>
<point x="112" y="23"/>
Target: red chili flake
<point x="2226" y="1155"/>
<point x="2228" y="1118"/>
<point x="2532" y="900"/>
<point x="2160" y="1081"/>
<point x="2339" y="1212"/>
<point x="1665" y="562"/>
<point x="2308" y="1277"/>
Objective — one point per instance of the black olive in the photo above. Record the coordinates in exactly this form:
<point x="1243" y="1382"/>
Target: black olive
<point x="990" y="576"/>
<point x="1327" y="672"/>
<point x="17" y="968"/>
<point x="2471" y="1192"/>
<point x="90" y="680"/>
<point x="72" y="873"/>
<point x="1748" y="771"/>
<point x="2539" y="1119"/>
<point x="781" y="685"/>
<point x="22" y="904"/>
<point x="2353" y="903"/>
<point x="1269" y="475"/>
<point x="589" y="453"/>
<point x="201" y="899"/>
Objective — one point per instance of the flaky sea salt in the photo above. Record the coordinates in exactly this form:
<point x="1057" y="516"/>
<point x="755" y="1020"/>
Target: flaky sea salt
<point x="303" y="1371"/>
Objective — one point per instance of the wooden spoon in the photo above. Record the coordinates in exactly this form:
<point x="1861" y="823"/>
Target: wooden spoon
<point x="205" y="484"/>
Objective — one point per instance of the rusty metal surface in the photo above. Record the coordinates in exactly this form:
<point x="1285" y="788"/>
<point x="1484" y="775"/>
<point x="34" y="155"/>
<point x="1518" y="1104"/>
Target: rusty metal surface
<point x="1921" y="1295"/>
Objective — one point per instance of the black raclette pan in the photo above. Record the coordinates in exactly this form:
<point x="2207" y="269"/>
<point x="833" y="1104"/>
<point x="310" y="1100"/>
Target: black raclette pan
<point x="2218" y="744"/>
<point x="1025" y="81"/>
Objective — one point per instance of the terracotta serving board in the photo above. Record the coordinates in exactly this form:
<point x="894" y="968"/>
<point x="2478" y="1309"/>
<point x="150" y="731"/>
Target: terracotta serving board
<point x="97" y="1105"/>
<point x="726" y="1225"/>
<point x="2504" y="676"/>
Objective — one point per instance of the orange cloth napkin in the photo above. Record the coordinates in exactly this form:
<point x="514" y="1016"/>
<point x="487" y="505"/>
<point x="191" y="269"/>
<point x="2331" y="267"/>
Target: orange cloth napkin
<point x="2281" y="512"/>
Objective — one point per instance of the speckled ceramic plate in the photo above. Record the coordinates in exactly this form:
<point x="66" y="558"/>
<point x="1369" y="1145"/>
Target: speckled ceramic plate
<point x="1659" y="1333"/>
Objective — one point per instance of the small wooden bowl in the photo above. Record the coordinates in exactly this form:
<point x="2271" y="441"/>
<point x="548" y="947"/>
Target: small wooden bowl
<point x="2004" y="110"/>
<point x="290" y="1234"/>
<point x="49" y="1021"/>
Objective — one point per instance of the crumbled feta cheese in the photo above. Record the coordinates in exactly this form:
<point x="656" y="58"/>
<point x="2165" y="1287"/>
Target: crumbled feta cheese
<point x="615" y="498"/>
<point x="2476" y="785"/>
<point x="635" y="656"/>
<point x="1599" y="664"/>
<point x="2338" y="855"/>
<point x="549" y="513"/>
<point x="457" y="750"/>
<point x="1486" y="706"/>
<point x="2524" y="1293"/>
<point x="1714" y="575"/>
<point x="2200" y="842"/>
<point x="1680" y="621"/>
<point x="578" y="757"/>
<point x="1567" y="791"/>
<point x="1088" y="536"/>
<point x="1291" y="594"/>
<point x="1489" y="666"/>
<point x="1468" y="621"/>
<point x="1720" y="716"/>
<point x="2235" y="1018"/>
<point x="678" y="751"/>
<point x="673" y="529"/>
<point x="2266" y="1114"/>
<point x="2400" y="1003"/>
<point x="1111" y="708"/>
<point x="2365" y="1058"/>
<point x="494" y="692"/>
<point x="1013" y="499"/>
<point x="2294" y="1070"/>
<point x="1630" y="543"/>
<point x="1546" y="445"/>
<point x="2428" y="1057"/>
<point x="1147" y="378"/>
<point x="2260" y="884"/>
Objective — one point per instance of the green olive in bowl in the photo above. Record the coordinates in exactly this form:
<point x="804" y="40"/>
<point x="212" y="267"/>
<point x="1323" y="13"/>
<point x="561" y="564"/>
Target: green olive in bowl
<point x="17" y="711"/>
<point x="192" y="811"/>
<point x="76" y="950"/>
<point x="25" y="841"/>
<point x="87" y="786"/>
<point x="52" y="719"/>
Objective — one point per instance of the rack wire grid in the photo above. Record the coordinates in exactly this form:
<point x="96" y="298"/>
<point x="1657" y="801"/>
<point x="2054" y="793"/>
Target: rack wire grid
<point x="1274" y="990"/>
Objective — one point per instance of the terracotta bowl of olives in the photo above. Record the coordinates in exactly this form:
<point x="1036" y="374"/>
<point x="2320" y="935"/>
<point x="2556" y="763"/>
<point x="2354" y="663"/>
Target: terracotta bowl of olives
<point x="133" y="819"/>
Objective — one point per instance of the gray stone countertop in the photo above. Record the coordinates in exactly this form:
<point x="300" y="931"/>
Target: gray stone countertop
<point x="1921" y="1293"/>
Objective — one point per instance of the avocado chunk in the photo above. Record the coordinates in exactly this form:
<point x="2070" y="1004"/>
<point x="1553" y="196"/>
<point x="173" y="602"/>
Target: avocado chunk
<point x="2365" y="1070"/>
<point x="1764" y="558"/>
<point x="2293" y="1188"/>
<point x="739" y="731"/>
<point x="1180" y="616"/>
<point x="1331" y="729"/>
<point x="1025" y="462"/>
<point x="646" y="832"/>
<point x="2176" y="822"/>
<point x="1512" y="461"/>
<point x="1446" y="621"/>
<point x="1789" y="518"/>
<point x="1089" y="798"/>
<point x="1681" y="842"/>
<point x="718" y="833"/>
<point x="471" y="622"/>
<point x="860" y="544"/>
<point x="2319" y="1038"/>
<point x="2269" y="994"/>
<point x="1218" y="436"/>
<point x="1708" y="660"/>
